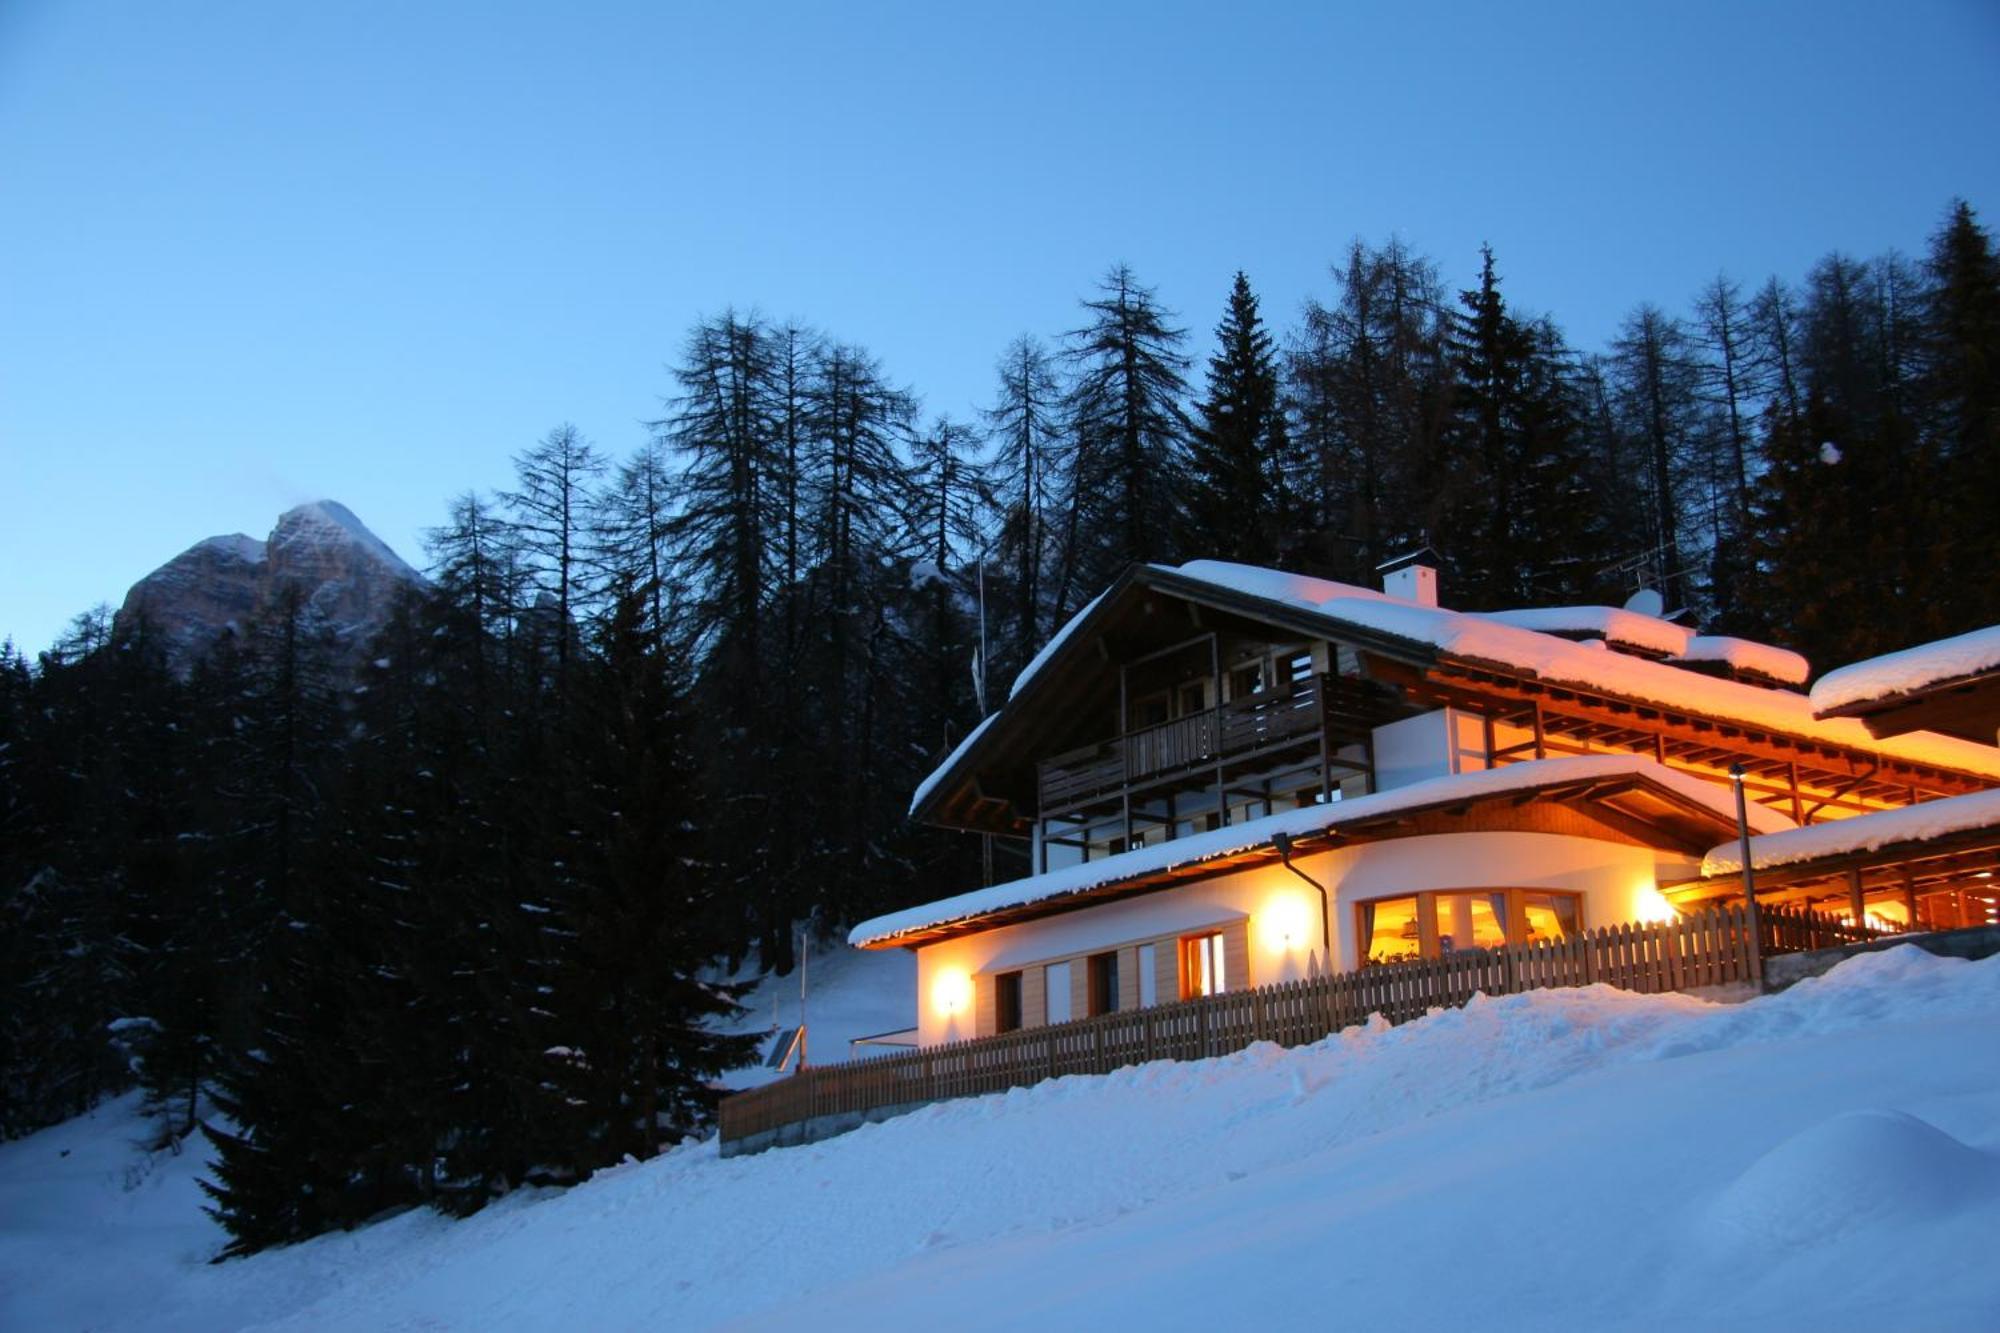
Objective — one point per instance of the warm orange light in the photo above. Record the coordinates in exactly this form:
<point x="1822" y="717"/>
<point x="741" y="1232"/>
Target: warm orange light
<point x="951" y="992"/>
<point x="1286" y="923"/>
<point x="1652" y="906"/>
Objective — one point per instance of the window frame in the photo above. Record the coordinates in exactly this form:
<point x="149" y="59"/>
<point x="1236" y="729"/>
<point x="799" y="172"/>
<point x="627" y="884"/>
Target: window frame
<point x="1429" y="932"/>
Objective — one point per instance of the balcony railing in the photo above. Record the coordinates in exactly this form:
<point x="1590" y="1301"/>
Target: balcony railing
<point x="1241" y="729"/>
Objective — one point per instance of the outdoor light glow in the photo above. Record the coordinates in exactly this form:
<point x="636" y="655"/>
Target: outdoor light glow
<point x="1652" y="906"/>
<point x="951" y="992"/>
<point x="1286" y="922"/>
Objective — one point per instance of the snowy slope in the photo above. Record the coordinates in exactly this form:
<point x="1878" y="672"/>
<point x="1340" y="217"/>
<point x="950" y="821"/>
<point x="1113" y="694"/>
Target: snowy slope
<point x="1826" y="1158"/>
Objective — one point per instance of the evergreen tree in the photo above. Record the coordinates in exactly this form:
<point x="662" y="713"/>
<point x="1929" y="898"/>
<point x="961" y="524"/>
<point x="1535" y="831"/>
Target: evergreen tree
<point x="1239" y="447"/>
<point x="1127" y="477"/>
<point x="1028" y="466"/>
<point x="1962" y="398"/>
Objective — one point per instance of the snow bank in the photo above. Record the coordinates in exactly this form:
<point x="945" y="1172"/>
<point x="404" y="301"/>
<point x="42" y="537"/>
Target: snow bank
<point x="1584" y="1158"/>
<point x="1223" y="842"/>
<point x="1912" y="669"/>
<point x="1863" y="833"/>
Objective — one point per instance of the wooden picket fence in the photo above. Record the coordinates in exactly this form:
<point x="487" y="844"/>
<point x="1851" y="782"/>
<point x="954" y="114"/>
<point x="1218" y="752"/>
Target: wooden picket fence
<point x="1709" y="948"/>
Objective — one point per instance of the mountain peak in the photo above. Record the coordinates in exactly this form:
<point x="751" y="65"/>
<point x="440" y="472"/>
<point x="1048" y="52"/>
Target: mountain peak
<point x="328" y="521"/>
<point x="347" y="578"/>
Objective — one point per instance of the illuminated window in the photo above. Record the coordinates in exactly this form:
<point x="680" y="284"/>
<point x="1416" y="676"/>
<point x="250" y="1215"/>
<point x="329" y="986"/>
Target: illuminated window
<point x="1103" y="983"/>
<point x="1007" y="1002"/>
<point x="1389" y="932"/>
<point x="1429" y="925"/>
<point x="1471" y="921"/>
<point x="1551" y="916"/>
<point x="1202" y="967"/>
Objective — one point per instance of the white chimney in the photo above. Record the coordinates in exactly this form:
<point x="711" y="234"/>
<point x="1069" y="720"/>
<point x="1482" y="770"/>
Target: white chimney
<point x="1413" y="583"/>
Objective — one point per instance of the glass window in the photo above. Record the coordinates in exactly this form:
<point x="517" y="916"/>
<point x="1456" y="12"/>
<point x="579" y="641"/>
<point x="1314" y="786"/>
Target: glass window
<point x="1193" y="698"/>
<point x="1007" y="1002"/>
<point x="1103" y="983"/>
<point x="1552" y="916"/>
<point x="1471" y="920"/>
<point x="1202" y="966"/>
<point x="1389" y="932"/>
<point x="1056" y="976"/>
<point x="1149" y="986"/>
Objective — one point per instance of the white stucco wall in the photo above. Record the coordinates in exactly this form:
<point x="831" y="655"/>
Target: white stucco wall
<point x="1619" y="883"/>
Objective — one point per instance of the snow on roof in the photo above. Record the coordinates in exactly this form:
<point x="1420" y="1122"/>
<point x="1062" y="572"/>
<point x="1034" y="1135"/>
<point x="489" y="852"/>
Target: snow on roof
<point x="1909" y="670"/>
<point x="1863" y="833"/>
<point x="1235" y="838"/>
<point x="924" y="787"/>
<point x="1551" y="659"/>
<point x="1273" y="584"/>
<point x="1050" y="648"/>
<point x="1606" y="622"/>
<point x="1763" y="659"/>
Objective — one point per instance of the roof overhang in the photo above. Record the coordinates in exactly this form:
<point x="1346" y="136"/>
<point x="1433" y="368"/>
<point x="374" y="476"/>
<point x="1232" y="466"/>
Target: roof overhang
<point x="1967" y="707"/>
<point x="1612" y="798"/>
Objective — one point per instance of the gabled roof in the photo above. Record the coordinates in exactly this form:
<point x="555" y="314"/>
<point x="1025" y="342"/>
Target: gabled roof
<point x="1676" y="810"/>
<point x="1951" y="686"/>
<point x="1424" y="637"/>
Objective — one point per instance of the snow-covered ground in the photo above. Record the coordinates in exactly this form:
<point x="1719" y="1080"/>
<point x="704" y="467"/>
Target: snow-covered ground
<point x="1828" y="1158"/>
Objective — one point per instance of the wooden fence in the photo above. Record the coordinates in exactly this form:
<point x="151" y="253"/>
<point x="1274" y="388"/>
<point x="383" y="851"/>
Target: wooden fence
<point x="1710" y="948"/>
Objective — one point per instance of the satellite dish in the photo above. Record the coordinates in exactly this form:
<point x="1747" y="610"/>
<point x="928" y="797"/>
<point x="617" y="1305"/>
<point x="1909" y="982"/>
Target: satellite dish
<point x="1646" y="602"/>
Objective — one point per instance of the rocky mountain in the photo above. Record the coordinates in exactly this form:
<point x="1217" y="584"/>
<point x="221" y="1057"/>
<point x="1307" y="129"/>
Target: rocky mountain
<point x="347" y="576"/>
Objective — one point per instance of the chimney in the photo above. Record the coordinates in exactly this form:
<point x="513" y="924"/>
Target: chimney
<point x="1409" y="579"/>
<point x="1413" y="583"/>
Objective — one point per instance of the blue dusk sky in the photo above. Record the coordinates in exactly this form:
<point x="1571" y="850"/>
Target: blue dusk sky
<point x="253" y="254"/>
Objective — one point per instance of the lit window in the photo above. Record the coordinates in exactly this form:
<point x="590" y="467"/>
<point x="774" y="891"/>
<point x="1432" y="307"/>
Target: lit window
<point x="1202" y="967"/>
<point x="1471" y="921"/>
<point x="1389" y="932"/>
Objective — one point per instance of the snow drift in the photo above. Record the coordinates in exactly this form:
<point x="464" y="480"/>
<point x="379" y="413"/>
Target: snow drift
<point x="1584" y="1158"/>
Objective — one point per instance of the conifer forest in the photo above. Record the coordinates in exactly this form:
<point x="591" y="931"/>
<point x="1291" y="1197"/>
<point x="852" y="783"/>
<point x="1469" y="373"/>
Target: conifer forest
<point x="419" y="921"/>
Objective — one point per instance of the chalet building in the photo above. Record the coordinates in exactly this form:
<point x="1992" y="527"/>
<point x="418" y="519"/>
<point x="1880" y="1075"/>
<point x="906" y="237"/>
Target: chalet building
<point x="1226" y="777"/>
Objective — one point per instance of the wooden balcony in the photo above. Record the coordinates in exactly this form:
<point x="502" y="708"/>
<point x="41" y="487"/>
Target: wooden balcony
<point x="1240" y="732"/>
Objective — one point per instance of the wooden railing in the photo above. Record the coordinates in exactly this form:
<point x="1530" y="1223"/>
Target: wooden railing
<point x="1710" y="948"/>
<point x="1239" y="728"/>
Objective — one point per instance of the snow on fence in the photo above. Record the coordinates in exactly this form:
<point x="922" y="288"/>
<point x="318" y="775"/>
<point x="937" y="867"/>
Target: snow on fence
<point x="1709" y="948"/>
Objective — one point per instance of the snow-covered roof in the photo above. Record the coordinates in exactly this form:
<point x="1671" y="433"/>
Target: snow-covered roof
<point x="1606" y="622"/>
<point x="1488" y="638"/>
<point x="924" y="787"/>
<point x="1909" y="670"/>
<point x="1217" y="844"/>
<point x="1747" y="655"/>
<point x="1559" y="661"/>
<point x="1923" y="822"/>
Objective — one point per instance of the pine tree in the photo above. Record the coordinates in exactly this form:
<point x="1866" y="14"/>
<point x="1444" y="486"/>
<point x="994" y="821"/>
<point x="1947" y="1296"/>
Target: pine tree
<point x="1131" y="432"/>
<point x="1962" y="401"/>
<point x="1369" y="394"/>
<point x="1239" y="448"/>
<point x="1028" y="465"/>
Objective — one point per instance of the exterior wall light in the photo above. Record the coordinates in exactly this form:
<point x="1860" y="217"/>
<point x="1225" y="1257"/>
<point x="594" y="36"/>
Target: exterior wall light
<point x="951" y="992"/>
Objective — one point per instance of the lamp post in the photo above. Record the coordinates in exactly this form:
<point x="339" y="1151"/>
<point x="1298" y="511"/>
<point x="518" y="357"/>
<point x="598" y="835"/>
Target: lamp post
<point x="1749" y="876"/>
